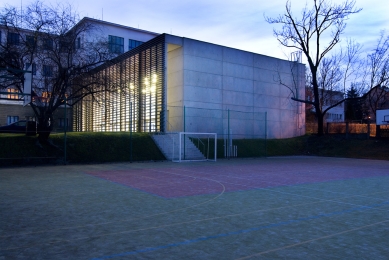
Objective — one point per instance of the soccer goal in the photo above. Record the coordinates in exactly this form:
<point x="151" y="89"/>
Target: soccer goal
<point x="194" y="147"/>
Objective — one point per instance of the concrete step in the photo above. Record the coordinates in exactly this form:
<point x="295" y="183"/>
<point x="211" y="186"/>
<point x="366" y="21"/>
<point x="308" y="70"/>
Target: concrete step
<point x="168" y="143"/>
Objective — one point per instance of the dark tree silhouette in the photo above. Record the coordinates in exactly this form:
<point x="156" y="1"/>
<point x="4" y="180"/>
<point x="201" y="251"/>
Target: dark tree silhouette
<point x="315" y="33"/>
<point x="376" y="76"/>
<point x="58" y="48"/>
<point x="354" y="105"/>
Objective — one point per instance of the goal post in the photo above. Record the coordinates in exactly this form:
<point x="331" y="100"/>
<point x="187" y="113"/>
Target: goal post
<point x="191" y="146"/>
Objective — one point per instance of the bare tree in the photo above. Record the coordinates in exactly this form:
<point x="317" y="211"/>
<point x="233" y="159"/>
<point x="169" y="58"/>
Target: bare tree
<point x="315" y="34"/>
<point x="376" y="76"/>
<point x="58" y="49"/>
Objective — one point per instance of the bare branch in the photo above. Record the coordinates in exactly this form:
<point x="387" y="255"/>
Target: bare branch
<point x="323" y="20"/>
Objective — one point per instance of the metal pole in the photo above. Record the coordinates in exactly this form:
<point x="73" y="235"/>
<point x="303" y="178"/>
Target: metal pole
<point x="130" y="132"/>
<point x="368" y="129"/>
<point x="215" y="147"/>
<point x="66" y="124"/>
<point x="228" y="135"/>
<point x="184" y="132"/>
<point x="265" y="134"/>
<point x="150" y="112"/>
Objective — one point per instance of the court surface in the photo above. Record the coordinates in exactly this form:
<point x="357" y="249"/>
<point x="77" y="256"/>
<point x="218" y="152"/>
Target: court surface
<point x="266" y="208"/>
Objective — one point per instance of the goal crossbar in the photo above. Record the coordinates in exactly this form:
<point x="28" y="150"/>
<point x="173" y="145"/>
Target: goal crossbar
<point x="192" y="146"/>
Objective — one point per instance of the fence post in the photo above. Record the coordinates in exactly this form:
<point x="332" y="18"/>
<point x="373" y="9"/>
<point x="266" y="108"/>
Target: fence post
<point x="228" y="134"/>
<point x="368" y="129"/>
<point x="184" y="132"/>
<point x="66" y="125"/>
<point x="266" y="134"/>
<point x="378" y="131"/>
<point x="130" y="132"/>
<point x="347" y="129"/>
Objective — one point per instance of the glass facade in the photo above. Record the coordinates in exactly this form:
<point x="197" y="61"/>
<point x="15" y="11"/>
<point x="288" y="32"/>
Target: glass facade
<point x="129" y="94"/>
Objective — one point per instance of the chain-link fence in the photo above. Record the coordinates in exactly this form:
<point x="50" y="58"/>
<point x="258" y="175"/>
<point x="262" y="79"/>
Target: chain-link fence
<point x="239" y="133"/>
<point x="19" y="142"/>
<point x="241" y="125"/>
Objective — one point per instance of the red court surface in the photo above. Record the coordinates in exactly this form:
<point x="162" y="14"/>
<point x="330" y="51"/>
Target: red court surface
<point x="179" y="180"/>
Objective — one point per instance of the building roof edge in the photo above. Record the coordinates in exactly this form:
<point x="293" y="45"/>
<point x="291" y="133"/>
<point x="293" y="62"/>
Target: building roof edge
<point x="115" y="24"/>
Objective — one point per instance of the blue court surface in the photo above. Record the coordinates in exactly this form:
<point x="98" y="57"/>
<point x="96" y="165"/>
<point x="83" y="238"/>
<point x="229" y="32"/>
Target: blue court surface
<point x="267" y="208"/>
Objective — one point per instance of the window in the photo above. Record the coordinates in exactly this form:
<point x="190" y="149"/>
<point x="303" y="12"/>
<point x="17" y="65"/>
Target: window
<point x="45" y="96"/>
<point x="77" y="43"/>
<point x="12" y="119"/>
<point x="47" y="71"/>
<point x="115" y="44"/>
<point x="30" y="41"/>
<point x="13" y="38"/>
<point x="133" y="44"/>
<point x="64" y="46"/>
<point x="33" y="68"/>
<point x="63" y="122"/>
<point x="48" y="44"/>
<point x="13" y="93"/>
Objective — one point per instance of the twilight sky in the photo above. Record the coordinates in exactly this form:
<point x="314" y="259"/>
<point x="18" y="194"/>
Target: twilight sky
<point x="234" y="23"/>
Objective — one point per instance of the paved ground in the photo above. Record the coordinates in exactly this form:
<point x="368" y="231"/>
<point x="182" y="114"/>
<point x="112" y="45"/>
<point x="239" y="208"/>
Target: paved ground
<point x="287" y="207"/>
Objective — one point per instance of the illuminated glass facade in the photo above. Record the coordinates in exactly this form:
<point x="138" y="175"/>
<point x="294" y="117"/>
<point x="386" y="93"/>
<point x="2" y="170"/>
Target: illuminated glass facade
<point x="132" y="96"/>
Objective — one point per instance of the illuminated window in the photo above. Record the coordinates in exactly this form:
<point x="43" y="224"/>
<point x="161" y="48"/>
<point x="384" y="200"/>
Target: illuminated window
<point x="115" y="44"/>
<point x="12" y="96"/>
<point x="46" y="96"/>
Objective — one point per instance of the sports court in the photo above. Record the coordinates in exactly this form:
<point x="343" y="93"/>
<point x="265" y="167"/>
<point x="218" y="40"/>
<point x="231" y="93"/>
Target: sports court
<point x="265" y="208"/>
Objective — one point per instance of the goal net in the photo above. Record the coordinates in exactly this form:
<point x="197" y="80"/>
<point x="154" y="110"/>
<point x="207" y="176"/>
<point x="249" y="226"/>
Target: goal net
<point x="194" y="146"/>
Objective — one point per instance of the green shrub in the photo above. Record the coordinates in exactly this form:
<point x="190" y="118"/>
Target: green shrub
<point x="84" y="147"/>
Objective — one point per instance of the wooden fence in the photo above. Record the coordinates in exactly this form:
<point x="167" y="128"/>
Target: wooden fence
<point x="349" y="128"/>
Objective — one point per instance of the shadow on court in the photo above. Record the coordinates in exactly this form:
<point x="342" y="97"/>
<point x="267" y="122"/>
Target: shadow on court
<point x="286" y="207"/>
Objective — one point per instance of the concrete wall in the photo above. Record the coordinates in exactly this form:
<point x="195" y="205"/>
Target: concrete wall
<point x="213" y="77"/>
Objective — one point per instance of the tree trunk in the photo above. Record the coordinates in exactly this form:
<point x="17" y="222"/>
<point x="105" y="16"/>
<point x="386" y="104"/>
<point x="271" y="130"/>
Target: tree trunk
<point x="43" y="134"/>
<point x="45" y="127"/>
<point x="320" y="122"/>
